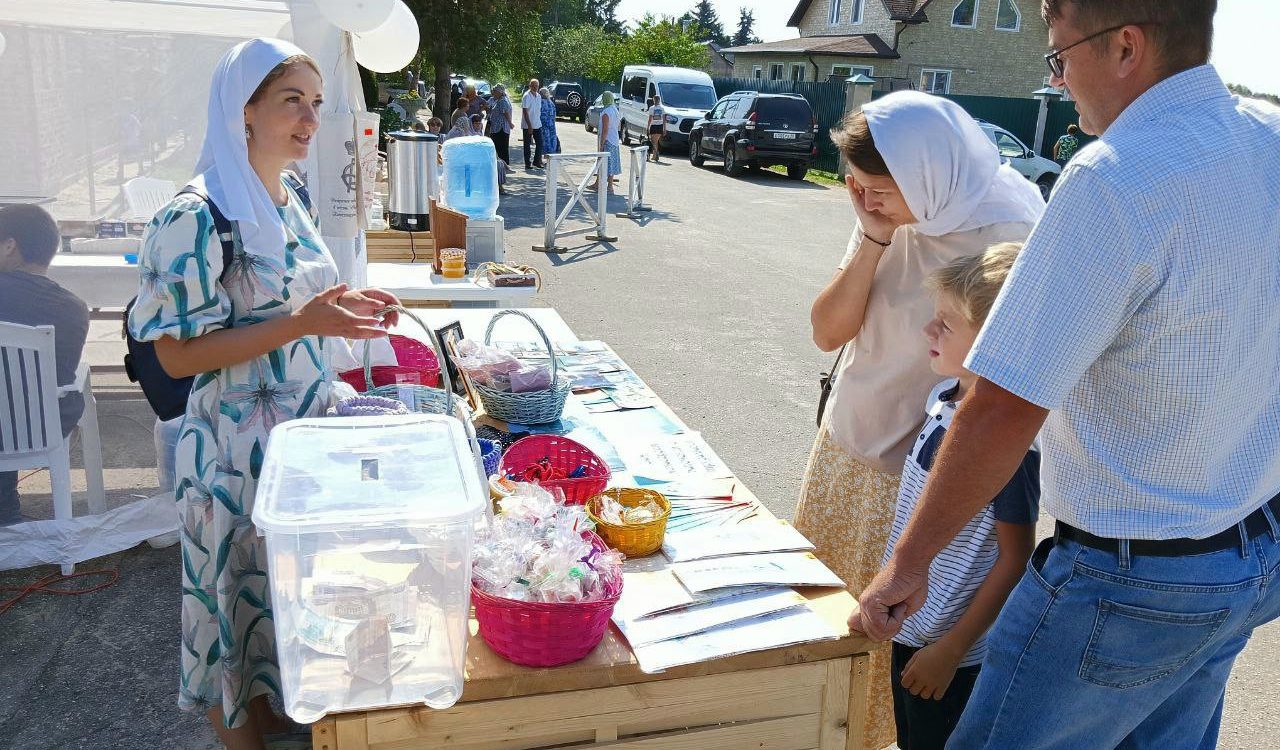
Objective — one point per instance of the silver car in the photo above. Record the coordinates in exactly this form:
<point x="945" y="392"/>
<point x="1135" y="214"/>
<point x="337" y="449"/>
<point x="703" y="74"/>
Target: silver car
<point x="592" y="123"/>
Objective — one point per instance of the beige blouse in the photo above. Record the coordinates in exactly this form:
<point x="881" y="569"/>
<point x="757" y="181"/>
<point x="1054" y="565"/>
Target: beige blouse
<point x="879" y="394"/>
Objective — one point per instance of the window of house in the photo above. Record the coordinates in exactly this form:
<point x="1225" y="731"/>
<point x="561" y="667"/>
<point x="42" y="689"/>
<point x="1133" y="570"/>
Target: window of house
<point x="933" y="81"/>
<point x="797" y="71"/>
<point x="856" y="16"/>
<point x="841" y="72"/>
<point x="965" y="14"/>
<point x="757" y="72"/>
<point x="1008" y="17"/>
<point x="775" y="71"/>
<point x="833" y="17"/>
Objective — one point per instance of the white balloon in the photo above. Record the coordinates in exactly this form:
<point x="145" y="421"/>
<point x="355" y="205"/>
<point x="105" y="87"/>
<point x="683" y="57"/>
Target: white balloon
<point x="391" y="46"/>
<point x="356" y="16"/>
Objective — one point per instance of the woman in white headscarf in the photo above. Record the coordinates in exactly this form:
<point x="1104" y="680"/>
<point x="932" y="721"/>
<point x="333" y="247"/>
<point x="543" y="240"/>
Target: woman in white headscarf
<point x="256" y="334"/>
<point x="927" y="187"/>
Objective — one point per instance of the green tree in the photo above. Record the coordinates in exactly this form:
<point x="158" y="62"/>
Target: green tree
<point x="567" y="53"/>
<point x="495" y="39"/>
<point x="660" y="41"/>
<point x="746" y="29"/>
<point x="571" y="13"/>
<point x="703" y="16"/>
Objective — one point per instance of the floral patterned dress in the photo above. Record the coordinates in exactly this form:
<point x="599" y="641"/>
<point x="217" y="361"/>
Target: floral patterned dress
<point x="228" y="636"/>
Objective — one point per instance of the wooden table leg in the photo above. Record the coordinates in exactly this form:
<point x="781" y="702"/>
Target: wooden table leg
<point x="353" y="732"/>
<point x="324" y="734"/>
<point x="859" y="670"/>
<point x="834" y="730"/>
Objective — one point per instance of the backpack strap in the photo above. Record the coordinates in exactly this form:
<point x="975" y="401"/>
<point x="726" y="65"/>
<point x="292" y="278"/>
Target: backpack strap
<point x="292" y="181"/>
<point x="221" y="226"/>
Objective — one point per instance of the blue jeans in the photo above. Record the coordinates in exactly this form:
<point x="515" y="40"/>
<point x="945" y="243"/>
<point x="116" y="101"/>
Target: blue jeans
<point x="1096" y="650"/>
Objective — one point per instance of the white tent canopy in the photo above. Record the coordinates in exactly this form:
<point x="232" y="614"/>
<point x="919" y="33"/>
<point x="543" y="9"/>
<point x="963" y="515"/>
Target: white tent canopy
<point x="97" y="92"/>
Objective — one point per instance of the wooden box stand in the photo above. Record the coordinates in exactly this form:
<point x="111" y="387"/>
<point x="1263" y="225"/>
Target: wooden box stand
<point x="448" y="229"/>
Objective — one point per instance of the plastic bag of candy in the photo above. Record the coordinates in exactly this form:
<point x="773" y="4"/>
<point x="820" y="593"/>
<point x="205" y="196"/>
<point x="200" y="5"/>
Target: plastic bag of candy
<point x="534" y="551"/>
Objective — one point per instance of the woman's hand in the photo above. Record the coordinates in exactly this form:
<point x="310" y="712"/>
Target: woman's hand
<point x="874" y="224"/>
<point x="930" y="670"/>
<point x="325" y="316"/>
<point x="368" y="301"/>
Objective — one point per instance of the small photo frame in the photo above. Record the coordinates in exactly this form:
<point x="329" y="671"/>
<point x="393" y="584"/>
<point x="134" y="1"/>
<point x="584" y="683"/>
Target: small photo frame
<point x="449" y="336"/>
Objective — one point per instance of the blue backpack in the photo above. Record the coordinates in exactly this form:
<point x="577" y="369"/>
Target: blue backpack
<point x="166" y="394"/>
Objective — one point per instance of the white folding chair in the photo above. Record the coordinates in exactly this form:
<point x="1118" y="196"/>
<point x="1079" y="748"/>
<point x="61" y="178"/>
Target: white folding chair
<point x="30" y="427"/>
<point x="146" y="196"/>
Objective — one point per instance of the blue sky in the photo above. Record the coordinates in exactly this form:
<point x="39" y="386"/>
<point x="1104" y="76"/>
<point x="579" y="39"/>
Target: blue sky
<point x="1244" y="35"/>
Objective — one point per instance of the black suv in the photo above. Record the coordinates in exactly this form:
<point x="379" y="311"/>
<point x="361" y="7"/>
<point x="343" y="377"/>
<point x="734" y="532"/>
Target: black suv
<point x="569" y="99"/>
<point x="751" y="129"/>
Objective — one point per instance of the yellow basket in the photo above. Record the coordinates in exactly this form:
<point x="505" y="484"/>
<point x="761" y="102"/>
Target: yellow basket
<point x="632" y="540"/>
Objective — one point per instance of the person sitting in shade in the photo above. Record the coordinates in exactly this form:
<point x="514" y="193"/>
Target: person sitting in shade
<point x="29" y="239"/>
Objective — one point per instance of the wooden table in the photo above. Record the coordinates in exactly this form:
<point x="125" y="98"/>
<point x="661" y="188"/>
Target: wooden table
<point x="801" y="697"/>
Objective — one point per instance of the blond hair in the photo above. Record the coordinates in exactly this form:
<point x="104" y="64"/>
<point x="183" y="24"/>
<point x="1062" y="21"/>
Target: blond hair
<point x="974" y="281"/>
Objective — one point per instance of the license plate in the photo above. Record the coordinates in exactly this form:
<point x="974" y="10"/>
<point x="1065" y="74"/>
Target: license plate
<point x="785" y="136"/>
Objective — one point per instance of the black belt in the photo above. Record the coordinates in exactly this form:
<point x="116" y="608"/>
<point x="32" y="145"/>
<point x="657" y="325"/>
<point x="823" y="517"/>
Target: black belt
<point x="1255" y="524"/>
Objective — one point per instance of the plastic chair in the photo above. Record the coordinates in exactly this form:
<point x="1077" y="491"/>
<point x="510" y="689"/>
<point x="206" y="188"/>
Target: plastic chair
<point x="30" y="426"/>
<point x="147" y="195"/>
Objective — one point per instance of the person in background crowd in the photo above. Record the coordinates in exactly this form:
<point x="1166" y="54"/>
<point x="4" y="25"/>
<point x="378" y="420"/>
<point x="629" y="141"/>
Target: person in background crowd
<point x="1136" y="338"/>
<point x="657" y="125"/>
<point x="476" y="104"/>
<point x="1066" y="145"/>
<point x="550" y="137"/>
<point x="434" y="125"/>
<point x="607" y="139"/>
<point x="461" y="127"/>
<point x="258" y="337"/>
<point x="475" y="124"/>
<point x="501" y="123"/>
<point x="531" y="125"/>
<point x="28" y="241"/>
<point x="927" y="187"/>
<point x="460" y="110"/>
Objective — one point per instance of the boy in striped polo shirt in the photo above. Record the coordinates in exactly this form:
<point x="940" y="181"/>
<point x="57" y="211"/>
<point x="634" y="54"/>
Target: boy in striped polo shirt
<point x="938" y="651"/>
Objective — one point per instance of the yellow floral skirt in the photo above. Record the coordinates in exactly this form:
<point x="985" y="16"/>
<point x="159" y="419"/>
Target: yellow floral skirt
<point x="846" y="510"/>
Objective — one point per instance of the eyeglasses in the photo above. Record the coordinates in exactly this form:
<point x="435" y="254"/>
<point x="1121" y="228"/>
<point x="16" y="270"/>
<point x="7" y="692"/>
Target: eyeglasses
<point x="1054" y="58"/>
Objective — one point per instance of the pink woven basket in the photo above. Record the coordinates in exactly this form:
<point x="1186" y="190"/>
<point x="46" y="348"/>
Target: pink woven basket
<point x="562" y="453"/>
<point x="417" y="365"/>
<point x="538" y="634"/>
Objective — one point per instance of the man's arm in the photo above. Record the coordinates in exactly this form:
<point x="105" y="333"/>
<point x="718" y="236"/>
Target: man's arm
<point x="986" y="442"/>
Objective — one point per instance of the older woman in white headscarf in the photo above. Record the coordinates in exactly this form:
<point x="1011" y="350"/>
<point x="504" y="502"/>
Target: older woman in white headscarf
<point x="927" y="187"/>
<point x="256" y="334"/>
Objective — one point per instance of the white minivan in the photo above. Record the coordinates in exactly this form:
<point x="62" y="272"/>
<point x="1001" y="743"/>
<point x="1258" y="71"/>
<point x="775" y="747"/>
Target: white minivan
<point x="687" y="95"/>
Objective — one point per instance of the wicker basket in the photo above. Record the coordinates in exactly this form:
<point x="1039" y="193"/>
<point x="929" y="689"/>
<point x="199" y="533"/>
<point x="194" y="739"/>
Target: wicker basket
<point x="632" y="540"/>
<point x="539" y="634"/>
<point x="534" y="407"/>
<point x="490" y="454"/>
<point x="425" y="399"/>
<point x="416" y="365"/>
<point x="565" y="454"/>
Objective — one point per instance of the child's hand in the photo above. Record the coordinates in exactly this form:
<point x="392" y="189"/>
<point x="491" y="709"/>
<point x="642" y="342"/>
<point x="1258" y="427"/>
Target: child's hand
<point x="930" y="670"/>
